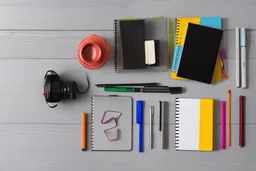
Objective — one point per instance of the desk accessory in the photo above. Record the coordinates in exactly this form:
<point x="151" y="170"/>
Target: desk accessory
<point x="84" y="132"/>
<point x="229" y="118"/>
<point x="223" y="125"/>
<point x="55" y="90"/>
<point x="132" y="39"/>
<point x="128" y="84"/>
<point x="181" y="29"/>
<point x="99" y="106"/>
<point x="162" y="113"/>
<point x="154" y="29"/>
<point x="238" y="59"/>
<point x="194" y="124"/>
<point x="152" y="52"/>
<point x="114" y="128"/>
<point x="158" y="89"/>
<point x="139" y="121"/>
<point x="152" y="127"/>
<point x="243" y="57"/>
<point x="199" y="55"/>
<point x="93" y="52"/>
<point x="241" y="121"/>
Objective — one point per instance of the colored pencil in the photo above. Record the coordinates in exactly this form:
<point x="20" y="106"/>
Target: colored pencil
<point x="223" y="125"/>
<point x="241" y="122"/>
<point x="229" y="118"/>
<point x="84" y="132"/>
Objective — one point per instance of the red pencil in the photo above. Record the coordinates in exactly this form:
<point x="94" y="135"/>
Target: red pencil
<point x="241" y="121"/>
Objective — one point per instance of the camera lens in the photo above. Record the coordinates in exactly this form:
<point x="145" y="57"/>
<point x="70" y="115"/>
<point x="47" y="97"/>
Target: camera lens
<point x="68" y="90"/>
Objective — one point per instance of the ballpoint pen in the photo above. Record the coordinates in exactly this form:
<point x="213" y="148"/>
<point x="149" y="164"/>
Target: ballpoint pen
<point x="139" y="120"/>
<point x="151" y="127"/>
<point x="128" y="84"/>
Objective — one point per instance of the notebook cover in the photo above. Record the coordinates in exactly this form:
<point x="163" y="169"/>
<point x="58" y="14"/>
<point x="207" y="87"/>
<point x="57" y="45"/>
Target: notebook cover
<point x="181" y="28"/>
<point x="99" y="141"/>
<point x="199" y="53"/>
<point x="217" y="77"/>
<point x="132" y="36"/>
<point x="194" y="124"/>
<point x="155" y="29"/>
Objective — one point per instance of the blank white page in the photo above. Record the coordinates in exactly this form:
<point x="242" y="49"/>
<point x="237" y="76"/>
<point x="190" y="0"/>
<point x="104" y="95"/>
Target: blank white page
<point x="187" y="111"/>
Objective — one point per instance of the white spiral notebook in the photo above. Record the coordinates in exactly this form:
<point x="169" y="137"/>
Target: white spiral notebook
<point x="111" y="128"/>
<point x="194" y="124"/>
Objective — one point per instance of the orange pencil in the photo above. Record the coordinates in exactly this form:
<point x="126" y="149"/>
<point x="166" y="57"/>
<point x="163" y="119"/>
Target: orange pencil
<point x="84" y="132"/>
<point x="229" y="118"/>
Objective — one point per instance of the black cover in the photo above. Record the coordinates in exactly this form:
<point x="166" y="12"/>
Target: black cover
<point x="132" y="35"/>
<point x="199" y="53"/>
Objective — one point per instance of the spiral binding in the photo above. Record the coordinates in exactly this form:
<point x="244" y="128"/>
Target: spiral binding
<point x="177" y="123"/>
<point x="115" y="45"/>
<point x="92" y="122"/>
<point x="177" y="38"/>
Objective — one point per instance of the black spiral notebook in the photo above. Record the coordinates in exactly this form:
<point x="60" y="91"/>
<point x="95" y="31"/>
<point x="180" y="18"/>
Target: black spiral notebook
<point x="130" y="36"/>
<point x="199" y="53"/>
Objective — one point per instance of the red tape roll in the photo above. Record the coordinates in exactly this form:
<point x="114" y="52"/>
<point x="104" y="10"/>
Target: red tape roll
<point x="93" y="52"/>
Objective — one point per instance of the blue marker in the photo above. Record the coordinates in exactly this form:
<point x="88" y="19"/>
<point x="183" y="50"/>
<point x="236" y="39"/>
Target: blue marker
<point x="139" y="120"/>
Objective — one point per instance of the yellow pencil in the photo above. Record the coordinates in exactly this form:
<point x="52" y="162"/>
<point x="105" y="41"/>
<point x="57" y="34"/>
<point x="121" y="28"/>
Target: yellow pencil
<point x="229" y="118"/>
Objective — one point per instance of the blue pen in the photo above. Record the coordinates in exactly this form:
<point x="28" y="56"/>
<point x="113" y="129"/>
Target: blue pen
<point x="139" y="120"/>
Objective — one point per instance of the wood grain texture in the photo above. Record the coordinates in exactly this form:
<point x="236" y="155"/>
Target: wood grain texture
<point x="21" y="99"/>
<point x="56" y="147"/>
<point x="99" y="14"/>
<point x="63" y="44"/>
<point x="46" y="44"/>
<point x="37" y="35"/>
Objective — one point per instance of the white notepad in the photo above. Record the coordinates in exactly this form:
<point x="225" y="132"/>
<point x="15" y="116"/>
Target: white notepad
<point x="194" y="124"/>
<point x="99" y="140"/>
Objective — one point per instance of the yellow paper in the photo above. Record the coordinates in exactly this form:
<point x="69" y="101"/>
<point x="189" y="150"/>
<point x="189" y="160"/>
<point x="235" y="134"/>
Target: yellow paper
<point x="206" y="124"/>
<point x="181" y="29"/>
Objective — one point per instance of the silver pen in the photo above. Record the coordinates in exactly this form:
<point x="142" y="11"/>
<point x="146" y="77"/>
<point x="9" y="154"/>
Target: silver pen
<point x="162" y="113"/>
<point x="151" y="127"/>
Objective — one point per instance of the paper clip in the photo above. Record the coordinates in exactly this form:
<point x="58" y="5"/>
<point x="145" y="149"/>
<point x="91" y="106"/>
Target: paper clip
<point x="115" y="119"/>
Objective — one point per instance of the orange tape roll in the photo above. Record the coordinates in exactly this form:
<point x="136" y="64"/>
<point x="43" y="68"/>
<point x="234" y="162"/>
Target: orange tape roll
<point x="93" y="52"/>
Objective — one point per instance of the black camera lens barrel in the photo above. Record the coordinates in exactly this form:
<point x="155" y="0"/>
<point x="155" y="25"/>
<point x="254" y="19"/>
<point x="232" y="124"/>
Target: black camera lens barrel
<point x="56" y="90"/>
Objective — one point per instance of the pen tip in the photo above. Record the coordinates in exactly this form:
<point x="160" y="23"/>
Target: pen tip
<point x="229" y="91"/>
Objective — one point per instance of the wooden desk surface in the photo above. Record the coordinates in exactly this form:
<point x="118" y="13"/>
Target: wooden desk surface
<point x="37" y="35"/>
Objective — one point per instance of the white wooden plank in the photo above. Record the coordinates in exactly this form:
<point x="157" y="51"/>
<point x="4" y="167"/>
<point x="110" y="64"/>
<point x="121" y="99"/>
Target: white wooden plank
<point x="45" y="44"/>
<point x="21" y="97"/>
<point x="63" y="44"/>
<point x="57" y="148"/>
<point x="99" y="14"/>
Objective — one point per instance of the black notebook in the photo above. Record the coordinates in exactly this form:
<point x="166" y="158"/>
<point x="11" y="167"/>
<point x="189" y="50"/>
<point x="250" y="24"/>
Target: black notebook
<point x="156" y="29"/>
<point x="132" y="35"/>
<point x="199" y="53"/>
